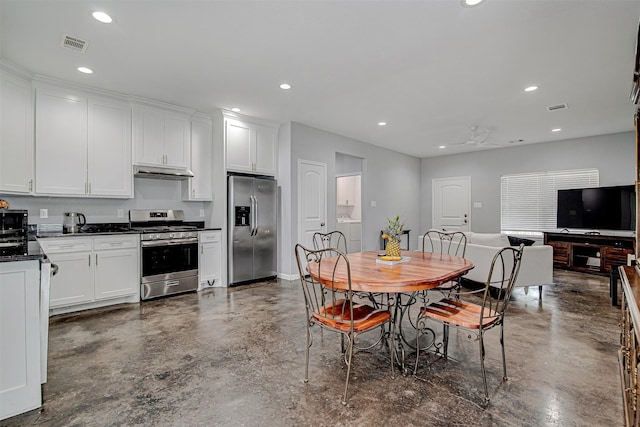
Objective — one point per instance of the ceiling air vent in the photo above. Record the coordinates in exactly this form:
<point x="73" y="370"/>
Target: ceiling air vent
<point x="557" y="107"/>
<point x="74" y="43"/>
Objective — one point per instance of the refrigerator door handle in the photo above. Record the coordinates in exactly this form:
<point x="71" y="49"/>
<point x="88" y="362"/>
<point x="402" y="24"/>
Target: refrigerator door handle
<point x="253" y="215"/>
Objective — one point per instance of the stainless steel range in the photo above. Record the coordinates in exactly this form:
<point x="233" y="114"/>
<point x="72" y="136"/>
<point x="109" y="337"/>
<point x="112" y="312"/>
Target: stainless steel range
<point x="169" y="252"/>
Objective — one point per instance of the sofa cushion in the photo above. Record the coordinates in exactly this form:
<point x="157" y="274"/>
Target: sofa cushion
<point x="489" y="239"/>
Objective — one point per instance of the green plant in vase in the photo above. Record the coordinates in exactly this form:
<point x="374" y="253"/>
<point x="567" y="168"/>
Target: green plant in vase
<point x="392" y="233"/>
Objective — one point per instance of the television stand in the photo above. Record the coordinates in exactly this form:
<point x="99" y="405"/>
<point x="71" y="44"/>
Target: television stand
<point x="588" y="252"/>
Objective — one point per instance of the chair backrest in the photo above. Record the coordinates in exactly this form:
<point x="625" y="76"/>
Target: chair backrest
<point x="445" y="242"/>
<point x="331" y="240"/>
<point x="502" y="275"/>
<point x="322" y="299"/>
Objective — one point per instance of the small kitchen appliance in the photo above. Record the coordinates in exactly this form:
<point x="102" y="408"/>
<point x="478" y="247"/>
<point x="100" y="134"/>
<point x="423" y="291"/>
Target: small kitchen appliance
<point x="14" y="236"/>
<point x="72" y="222"/>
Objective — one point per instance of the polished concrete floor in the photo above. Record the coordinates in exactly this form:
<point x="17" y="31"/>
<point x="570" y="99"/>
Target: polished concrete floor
<point x="236" y="358"/>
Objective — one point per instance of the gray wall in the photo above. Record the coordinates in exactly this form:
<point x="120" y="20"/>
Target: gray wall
<point x="613" y="155"/>
<point x="148" y="194"/>
<point x="389" y="178"/>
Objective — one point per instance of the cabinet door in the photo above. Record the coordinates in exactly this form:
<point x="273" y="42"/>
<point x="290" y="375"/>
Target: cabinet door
<point x="74" y="282"/>
<point x="177" y="134"/>
<point x="239" y="145"/>
<point x="200" y="187"/>
<point x="61" y="143"/>
<point x="209" y="262"/>
<point x="19" y="338"/>
<point x="16" y="140"/>
<point x="109" y="149"/>
<point x="266" y="150"/>
<point x="116" y="273"/>
<point x="148" y="137"/>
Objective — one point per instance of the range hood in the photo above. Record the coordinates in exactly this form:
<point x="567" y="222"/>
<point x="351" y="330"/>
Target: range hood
<point x="161" y="172"/>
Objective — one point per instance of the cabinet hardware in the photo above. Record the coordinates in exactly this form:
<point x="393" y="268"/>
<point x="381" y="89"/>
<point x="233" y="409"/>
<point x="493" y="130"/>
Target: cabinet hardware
<point x="89" y="260"/>
<point x="96" y="260"/>
<point x="30" y="185"/>
<point x="193" y="192"/>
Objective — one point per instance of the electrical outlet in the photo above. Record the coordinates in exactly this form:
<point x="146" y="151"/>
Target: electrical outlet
<point x="373" y="204"/>
<point x="120" y="213"/>
<point x="44" y="213"/>
<point x="201" y="213"/>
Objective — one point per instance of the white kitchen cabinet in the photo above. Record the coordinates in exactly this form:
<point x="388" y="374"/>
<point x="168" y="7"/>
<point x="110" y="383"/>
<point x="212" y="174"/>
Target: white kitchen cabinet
<point x="61" y="142"/>
<point x="16" y="140"/>
<point x="109" y="148"/>
<point x="210" y="259"/>
<point x="161" y="137"/>
<point x="93" y="269"/>
<point x="117" y="268"/>
<point x="200" y="187"/>
<point x="20" y="374"/>
<point x="250" y="147"/>
<point x="83" y="145"/>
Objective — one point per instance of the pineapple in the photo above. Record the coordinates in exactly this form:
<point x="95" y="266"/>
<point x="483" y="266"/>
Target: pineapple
<point x="392" y="234"/>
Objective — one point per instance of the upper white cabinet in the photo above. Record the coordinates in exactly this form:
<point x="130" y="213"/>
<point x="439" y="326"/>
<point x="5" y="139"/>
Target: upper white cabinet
<point x="109" y="148"/>
<point x="250" y="146"/>
<point x="200" y="187"/>
<point x="83" y="144"/>
<point x="161" y="137"/>
<point x="16" y="140"/>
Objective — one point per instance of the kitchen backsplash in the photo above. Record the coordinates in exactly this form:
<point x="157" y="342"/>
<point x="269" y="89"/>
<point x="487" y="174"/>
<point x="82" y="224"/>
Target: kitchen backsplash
<point x="149" y="194"/>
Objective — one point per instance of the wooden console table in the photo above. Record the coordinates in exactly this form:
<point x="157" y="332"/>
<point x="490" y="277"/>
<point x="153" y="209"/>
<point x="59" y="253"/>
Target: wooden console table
<point x="629" y="353"/>
<point x="591" y="253"/>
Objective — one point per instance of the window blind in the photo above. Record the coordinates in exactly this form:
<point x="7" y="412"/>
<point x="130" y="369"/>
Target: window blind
<point x="528" y="201"/>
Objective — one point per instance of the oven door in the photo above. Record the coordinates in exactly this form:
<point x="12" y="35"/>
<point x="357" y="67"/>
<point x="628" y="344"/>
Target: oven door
<point x="168" y="267"/>
<point x="171" y="256"/>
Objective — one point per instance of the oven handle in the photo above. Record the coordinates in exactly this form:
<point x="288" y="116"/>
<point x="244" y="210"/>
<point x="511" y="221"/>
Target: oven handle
<point x="175" y="242"/>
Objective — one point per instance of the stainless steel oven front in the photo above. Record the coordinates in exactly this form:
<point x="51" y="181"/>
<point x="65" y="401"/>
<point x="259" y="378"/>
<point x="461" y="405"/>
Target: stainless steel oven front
<point x="169" y="266"/>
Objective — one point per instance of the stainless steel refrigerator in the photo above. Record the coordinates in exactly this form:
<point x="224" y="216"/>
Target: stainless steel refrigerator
<point x="252" y="229"/>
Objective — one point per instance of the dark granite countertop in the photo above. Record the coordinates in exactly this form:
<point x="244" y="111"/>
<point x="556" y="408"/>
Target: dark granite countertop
<point x="34" y="252"/>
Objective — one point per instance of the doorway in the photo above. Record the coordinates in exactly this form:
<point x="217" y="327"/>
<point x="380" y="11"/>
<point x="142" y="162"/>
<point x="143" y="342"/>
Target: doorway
<point x="349" y="200"/>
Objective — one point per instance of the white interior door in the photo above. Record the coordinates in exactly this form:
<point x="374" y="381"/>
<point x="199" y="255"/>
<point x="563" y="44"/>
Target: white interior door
<point x="451" y="201"/>
<point x="312" y="200"/>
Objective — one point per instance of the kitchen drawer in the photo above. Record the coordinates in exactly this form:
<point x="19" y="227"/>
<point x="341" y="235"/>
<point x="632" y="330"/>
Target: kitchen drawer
<point x="119" y="242"/>
<point x="210" y="236"/>
<point x="64" y="245"/>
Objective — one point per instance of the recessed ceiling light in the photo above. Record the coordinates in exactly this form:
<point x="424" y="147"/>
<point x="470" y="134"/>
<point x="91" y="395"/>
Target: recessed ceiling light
<point x="85" y="70"/>
<point x="102" y="17"/>
<point x="470" y="3"/>
<point x="382" y="123"/>
<point x="285" y="86"/>
<point x="236" y="110"/>
<point x="556" y="130"/>
<point x="442" y="146"/>
<point x="530" y="88"/>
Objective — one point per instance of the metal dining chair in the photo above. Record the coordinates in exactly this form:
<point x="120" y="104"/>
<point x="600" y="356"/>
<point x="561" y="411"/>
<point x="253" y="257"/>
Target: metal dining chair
<point x="333" y="239"/>
<point x="332" y="309"/>
<point x="446" y="243"/>
<point x="477" y="318"/>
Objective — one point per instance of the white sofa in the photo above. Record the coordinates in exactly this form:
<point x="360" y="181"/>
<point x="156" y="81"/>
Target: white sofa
<point x="536" y="268"/>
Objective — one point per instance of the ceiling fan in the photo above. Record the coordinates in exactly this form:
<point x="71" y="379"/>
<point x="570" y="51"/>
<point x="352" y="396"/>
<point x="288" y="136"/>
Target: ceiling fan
<point x="477" y="137"/>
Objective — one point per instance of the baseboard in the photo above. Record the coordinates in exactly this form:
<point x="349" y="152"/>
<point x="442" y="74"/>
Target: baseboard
<point x="288" y="276"/>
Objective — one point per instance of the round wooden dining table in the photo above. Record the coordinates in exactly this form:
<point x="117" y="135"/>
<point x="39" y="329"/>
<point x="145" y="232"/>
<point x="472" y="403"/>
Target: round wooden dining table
<point x="425" y="270"/>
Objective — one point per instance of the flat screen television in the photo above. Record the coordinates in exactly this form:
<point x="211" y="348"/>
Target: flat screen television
<point x="600" y="208"/>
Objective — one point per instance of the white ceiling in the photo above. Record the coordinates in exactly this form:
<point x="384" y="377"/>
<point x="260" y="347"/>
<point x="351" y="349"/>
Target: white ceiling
<point x="430" y="69"/>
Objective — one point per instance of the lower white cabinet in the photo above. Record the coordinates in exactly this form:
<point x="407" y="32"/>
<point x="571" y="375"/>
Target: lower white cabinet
<point x="353" y="234"/>
<point x="20" y="375"/>
<point x="92" y="270"/>
<point x="210" y="259"/>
